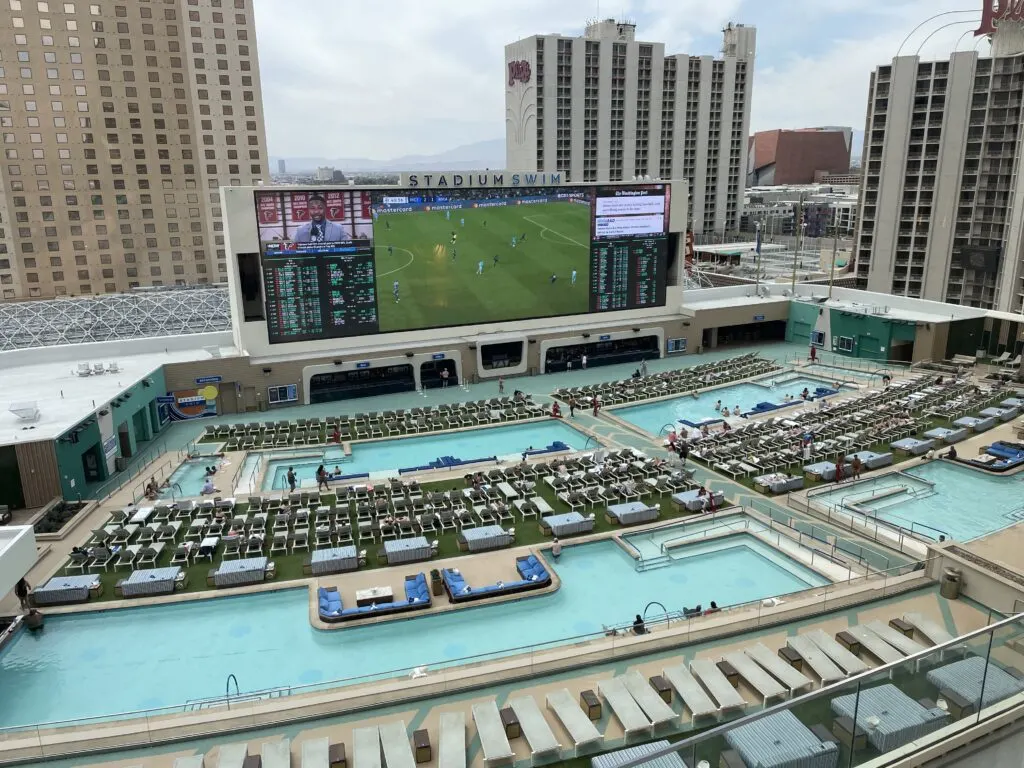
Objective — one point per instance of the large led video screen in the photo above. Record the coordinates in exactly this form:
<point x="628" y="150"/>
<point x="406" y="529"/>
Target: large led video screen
<point x="349" y="262"/>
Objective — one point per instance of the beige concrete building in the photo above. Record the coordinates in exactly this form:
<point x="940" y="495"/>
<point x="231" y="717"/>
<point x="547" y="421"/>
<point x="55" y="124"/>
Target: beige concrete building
<point x="120" y="120"/>
<point x="608" y="107"/>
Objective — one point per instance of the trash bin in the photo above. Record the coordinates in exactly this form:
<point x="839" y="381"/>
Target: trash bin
<point x="949" y="586"/>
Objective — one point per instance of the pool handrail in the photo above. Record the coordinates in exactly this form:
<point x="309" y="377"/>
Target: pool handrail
<point x="826" y="691"/>
<point x="624" y="629"/>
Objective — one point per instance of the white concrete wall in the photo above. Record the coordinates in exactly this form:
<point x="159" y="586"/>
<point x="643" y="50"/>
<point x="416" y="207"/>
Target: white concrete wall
<point x="17" y="555"/>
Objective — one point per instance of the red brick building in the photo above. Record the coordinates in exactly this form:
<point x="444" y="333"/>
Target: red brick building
<point x="794" y="156"/>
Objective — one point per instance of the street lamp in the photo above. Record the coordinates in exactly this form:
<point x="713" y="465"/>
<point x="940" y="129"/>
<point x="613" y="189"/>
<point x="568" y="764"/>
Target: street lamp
<point x="835" y="247"/>
<point x="757" y="262"/>
<point x="799" y="238"/>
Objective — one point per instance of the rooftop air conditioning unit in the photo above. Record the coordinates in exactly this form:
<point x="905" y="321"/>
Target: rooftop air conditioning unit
<point x="25" y="411"/>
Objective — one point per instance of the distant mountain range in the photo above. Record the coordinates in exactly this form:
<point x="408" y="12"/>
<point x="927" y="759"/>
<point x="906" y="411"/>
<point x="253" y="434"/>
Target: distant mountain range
<point x="468" y="157"/>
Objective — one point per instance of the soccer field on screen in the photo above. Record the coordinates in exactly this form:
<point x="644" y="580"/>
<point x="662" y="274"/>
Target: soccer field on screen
<point x="438" y="288"/>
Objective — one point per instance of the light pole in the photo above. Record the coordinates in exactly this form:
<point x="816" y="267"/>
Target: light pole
<point x="835" y="249"/>
<point x="799" y="237"/>
<point x="757" y="262"/>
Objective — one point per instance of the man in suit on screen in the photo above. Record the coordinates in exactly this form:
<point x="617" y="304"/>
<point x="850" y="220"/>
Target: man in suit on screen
<point x="318" y="229"/>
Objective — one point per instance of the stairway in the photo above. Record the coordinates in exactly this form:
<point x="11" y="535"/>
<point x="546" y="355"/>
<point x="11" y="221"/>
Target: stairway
<point x="649" y="564"/>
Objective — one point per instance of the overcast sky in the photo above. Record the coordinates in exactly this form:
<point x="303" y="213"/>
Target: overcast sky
<point x="343" y="78"/>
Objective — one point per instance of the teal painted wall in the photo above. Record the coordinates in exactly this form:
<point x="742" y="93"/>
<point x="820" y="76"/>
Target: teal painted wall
<point x="136" y="413"/>
<point x="802" y="319"/>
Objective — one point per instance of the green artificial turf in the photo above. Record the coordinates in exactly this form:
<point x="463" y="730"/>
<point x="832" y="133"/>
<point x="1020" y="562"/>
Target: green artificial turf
<point x="439" y="289"/>
<point x="289" y="566"/>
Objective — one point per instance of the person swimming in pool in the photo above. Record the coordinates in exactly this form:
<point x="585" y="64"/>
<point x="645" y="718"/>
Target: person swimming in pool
<point x="718" y="405"/>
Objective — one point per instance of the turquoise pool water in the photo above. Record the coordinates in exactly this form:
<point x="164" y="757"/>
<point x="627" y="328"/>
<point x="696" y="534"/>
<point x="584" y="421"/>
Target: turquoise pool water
<point x="124" y="660"/>
<point x="190" y="476"/>
<point x="387" y="456"/>
<point x="939" y="498"/>
<point x="651" y="417"/>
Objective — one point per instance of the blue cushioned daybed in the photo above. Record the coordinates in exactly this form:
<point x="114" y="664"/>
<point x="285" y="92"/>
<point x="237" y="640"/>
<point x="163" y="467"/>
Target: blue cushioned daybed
<point x="531" y="569"/>
<point x="417" y="596"/>
<point x="948" y="436"/>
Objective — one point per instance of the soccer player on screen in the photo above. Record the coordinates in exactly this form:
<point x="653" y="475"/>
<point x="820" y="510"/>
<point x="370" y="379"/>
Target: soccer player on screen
<point x="553" y="278"/>
<point x="394" y="291"/>
<point x="573" y="281"/>
<point x="462" y="222"/>
<point x="513" y="241"/>
<point x="480" y="267"/>
<point x="447" y="215"/>
<point x="495" y="259"/>
<point x="453" y="253"/>
<point x="391" y="250"/>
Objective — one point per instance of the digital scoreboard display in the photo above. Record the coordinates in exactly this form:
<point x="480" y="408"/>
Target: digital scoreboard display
<point x="351" y="262"/>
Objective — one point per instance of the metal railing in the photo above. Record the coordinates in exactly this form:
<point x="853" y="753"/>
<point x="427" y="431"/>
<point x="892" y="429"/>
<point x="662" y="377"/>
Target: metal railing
<point x="835" y="511"/>
<point x="910" y="676"/>
<point x="121" y="479"/>
<point x="151" y="726"/>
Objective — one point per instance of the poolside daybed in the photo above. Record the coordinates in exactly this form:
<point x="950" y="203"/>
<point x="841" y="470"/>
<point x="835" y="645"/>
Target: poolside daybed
<point x="782" y="741"/>
<point x="566" y="524"/>
<point x="632" y="513"/>
<point x="912" y="446"/>
<point x="331" y="610"/>
<point x="871" y="460"/>
<point x="976" y="424"/>
<point x="62" y="590"/>
<point x="948" y="436"/>
<point x="778" y="482"/>
<point x="534" y="576"/>
<point x="690" y="500"/>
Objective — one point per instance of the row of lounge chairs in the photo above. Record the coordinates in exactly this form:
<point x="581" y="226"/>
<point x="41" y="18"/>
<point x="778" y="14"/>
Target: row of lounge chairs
<point x="775" y="444"/>
<point x="670" y="382"/>
<point x="365" y="426"/>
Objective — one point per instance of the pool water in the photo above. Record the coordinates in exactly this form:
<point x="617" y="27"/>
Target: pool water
<point x="114" y="661"/>
<point x="190" y="477"/>
<point x="939" y="498"/>
<point x="651" y="417"/>
<point x="384" y="457"/>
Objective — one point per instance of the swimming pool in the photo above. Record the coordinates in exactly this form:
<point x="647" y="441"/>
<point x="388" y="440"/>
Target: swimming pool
<point x="385" y="457"/>
<point x="190" y="476"/>
<point x="937" y="498"/>
<point x="651" y="417"/>
<point x="129" y="659"/>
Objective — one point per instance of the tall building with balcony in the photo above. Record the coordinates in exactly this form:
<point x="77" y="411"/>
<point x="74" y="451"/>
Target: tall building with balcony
<point x="120" y="120"/>
<point x="942" y="215"/>
<point x="607" y="107"/>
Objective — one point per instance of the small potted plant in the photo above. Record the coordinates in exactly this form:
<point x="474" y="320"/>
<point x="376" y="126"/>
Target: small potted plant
<point x="436" y="583"/>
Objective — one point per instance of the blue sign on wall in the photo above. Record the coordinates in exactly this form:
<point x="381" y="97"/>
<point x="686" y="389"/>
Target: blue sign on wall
<point x="209" y="380"/>
<point x="605" y="337"/>
<point x="363" y="365"/>
<point x="758" y="318"/>
<point x="438" y="356"/>
<point x="165" y="399"/>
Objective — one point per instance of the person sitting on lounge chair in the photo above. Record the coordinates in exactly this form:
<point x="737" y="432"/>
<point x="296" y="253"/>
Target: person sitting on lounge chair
<point x="638" y="626"/>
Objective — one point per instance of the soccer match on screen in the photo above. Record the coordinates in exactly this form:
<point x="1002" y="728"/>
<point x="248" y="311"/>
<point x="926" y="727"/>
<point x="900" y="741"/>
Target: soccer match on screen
<point x="480" y="256"/>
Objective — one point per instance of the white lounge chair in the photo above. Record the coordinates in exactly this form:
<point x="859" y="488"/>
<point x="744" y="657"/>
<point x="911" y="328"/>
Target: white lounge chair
<point x="276" y="754"/>
<point x="690" y="691"/>
<point x="581" y="729"/>
<point x="491" y="731"/>
<point x="931" y="631"/>
<point x="394" y="739"/>
<point x="875" y="645"/>
<point x="826" y="669"/>
<point x="767" y="687"/>
<point x="451" y="752"/>
<point x="232" y="755"/>
<point x="194" y="761"/>
<point x="365" y="748"/>
<point x="657" y="711"/>
<point x="316" y="753"/>
<point x="908" y="646"/>
<point x="624" y="706"/>
<point x="840" y="655"/>
<point x="1015" y="363"/>
<point x="791" y="678"/>
<point x="721" y="690"/>
<point x="534" y="726"/>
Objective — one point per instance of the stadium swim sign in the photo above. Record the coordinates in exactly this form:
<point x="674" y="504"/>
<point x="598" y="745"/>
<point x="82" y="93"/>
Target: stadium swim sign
<point x="466" y="180"/>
